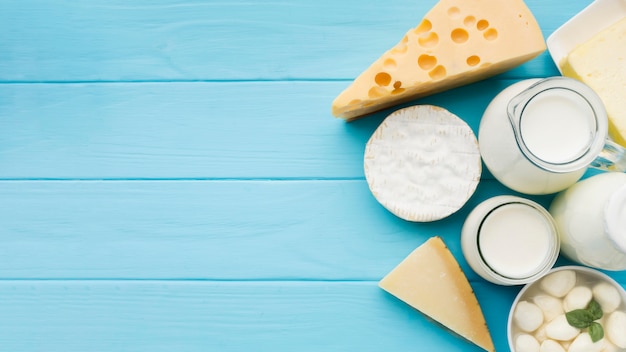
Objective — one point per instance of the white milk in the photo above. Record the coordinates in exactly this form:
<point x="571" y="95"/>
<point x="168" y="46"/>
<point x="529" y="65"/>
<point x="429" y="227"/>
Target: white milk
<point x="509" y="240"/>
<point x="556" y="126"/>
<point x="591" y="219"/>
<point x="514" y="240"/>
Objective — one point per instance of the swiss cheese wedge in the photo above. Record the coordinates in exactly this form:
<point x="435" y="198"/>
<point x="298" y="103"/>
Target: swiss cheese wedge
<point x="456" y="43"/>
<point x="431" y="281"/>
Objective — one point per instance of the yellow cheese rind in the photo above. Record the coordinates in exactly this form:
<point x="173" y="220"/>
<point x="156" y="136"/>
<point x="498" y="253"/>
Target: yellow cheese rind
<point x="457" y="42"/>
<point x="431" y="281"/>
<point x="601" y="64"/>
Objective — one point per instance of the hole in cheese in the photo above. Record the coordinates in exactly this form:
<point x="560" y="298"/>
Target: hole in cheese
<point x="402" y="46"/>
<point x="390" y="64"/>
<point x="438" y="72"/>
<point x="382" y="79"/>
<point x="459" y="35"/>
<point x="376" y="92"/>
<point x="482" y="25"/>
<point x="397" y="88"/>
<point x="429" y="40"/>
<point x="426" y="62"/>
<point x="454" y="12"/>
<point x="469" y="21"/>
<point x="491" y="34"/>
<point x="473" y="60"/>
<point x="423" y="27"/>
<point x="400" y="49"/>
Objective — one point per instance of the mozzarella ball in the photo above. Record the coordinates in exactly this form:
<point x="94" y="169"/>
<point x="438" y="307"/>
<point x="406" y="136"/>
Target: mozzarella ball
<point x="559" y="283"/>
<point x="577" y="298"/>
<point x="526" y="343"/>
<point x="551" y="346"/>
<point x="610" y="347"/>
<point x="615" y="328"/>
<point x="527" y="316"/>
<point x="559" y="329"/>
<point x="551" y="306"/>
<point x="540" y="334"/>
<point x="583" y="343"/>
<point x="607" y="296"/>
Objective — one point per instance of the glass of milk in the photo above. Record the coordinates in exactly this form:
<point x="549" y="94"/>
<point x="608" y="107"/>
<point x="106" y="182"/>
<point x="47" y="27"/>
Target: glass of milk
<point x="509" y="240"/>
<point x="539" y="136"/>
<point x="591" y="221"/>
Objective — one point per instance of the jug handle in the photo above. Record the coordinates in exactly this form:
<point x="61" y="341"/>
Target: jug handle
<point x="611" y="158"/>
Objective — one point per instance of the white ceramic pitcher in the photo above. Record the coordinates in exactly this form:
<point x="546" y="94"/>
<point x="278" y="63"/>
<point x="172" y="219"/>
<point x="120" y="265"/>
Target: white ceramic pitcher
<point x="539" y="136"/>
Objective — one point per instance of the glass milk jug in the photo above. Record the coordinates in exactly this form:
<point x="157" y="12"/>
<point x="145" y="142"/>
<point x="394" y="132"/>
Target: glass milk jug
<point x="539" y="136"/>
<point x="591" y="220"/>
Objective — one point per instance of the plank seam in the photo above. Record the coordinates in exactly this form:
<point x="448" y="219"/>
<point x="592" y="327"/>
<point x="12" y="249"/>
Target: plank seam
<point x="244" y="80"/>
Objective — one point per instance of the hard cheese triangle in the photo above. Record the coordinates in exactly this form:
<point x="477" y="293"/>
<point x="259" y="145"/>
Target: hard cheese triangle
<point x="431" y="281"/>
<point x="456" y="43"/>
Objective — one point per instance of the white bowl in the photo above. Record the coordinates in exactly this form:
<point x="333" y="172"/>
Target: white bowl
<point x="530" y="288"/>
<point x="599" y="15"/>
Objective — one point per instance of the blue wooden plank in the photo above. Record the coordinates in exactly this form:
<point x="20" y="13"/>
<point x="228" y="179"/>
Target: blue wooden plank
<point x="225" y="316"/>
<point x="226" y="230"/>
<point x="208" y="40"/>
<point x="193" y="130"/>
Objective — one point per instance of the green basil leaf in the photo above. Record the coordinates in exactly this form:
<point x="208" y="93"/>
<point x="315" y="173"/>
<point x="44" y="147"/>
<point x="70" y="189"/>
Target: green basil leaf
<point x="595" y="310"/>
<point x="579" y="318"/>
<point x="596" y="332"/>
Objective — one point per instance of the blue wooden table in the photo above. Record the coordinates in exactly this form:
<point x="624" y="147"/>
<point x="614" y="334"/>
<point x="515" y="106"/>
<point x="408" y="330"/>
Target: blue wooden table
<point x="171" y="178"/>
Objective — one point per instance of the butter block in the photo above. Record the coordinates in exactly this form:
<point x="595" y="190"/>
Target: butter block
<point x="457" y="42"/>
<point x="600" y="62"/>
<point x="431" y="281"/>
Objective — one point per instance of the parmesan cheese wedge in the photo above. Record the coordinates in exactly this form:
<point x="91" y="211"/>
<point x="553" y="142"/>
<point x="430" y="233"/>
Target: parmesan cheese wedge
<point x="456" y="43"/>
<point x="422" y="163"/>
<point x="431" y="281"/>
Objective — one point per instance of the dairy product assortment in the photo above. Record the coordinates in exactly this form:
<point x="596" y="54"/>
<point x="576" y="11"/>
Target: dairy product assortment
<point x="423" y="163"/>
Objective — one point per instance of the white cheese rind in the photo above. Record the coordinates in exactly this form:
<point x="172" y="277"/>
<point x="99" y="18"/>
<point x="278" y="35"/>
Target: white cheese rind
<point x="422" y="163"/>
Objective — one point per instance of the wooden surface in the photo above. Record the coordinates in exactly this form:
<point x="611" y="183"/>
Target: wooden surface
<point x="172" y="179"/>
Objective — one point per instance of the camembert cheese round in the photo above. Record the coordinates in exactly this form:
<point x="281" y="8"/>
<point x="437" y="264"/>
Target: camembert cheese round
<point x="422" y="163"/>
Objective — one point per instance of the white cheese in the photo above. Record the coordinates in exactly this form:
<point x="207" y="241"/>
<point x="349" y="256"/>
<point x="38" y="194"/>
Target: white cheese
<point x="422" y="163"/>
